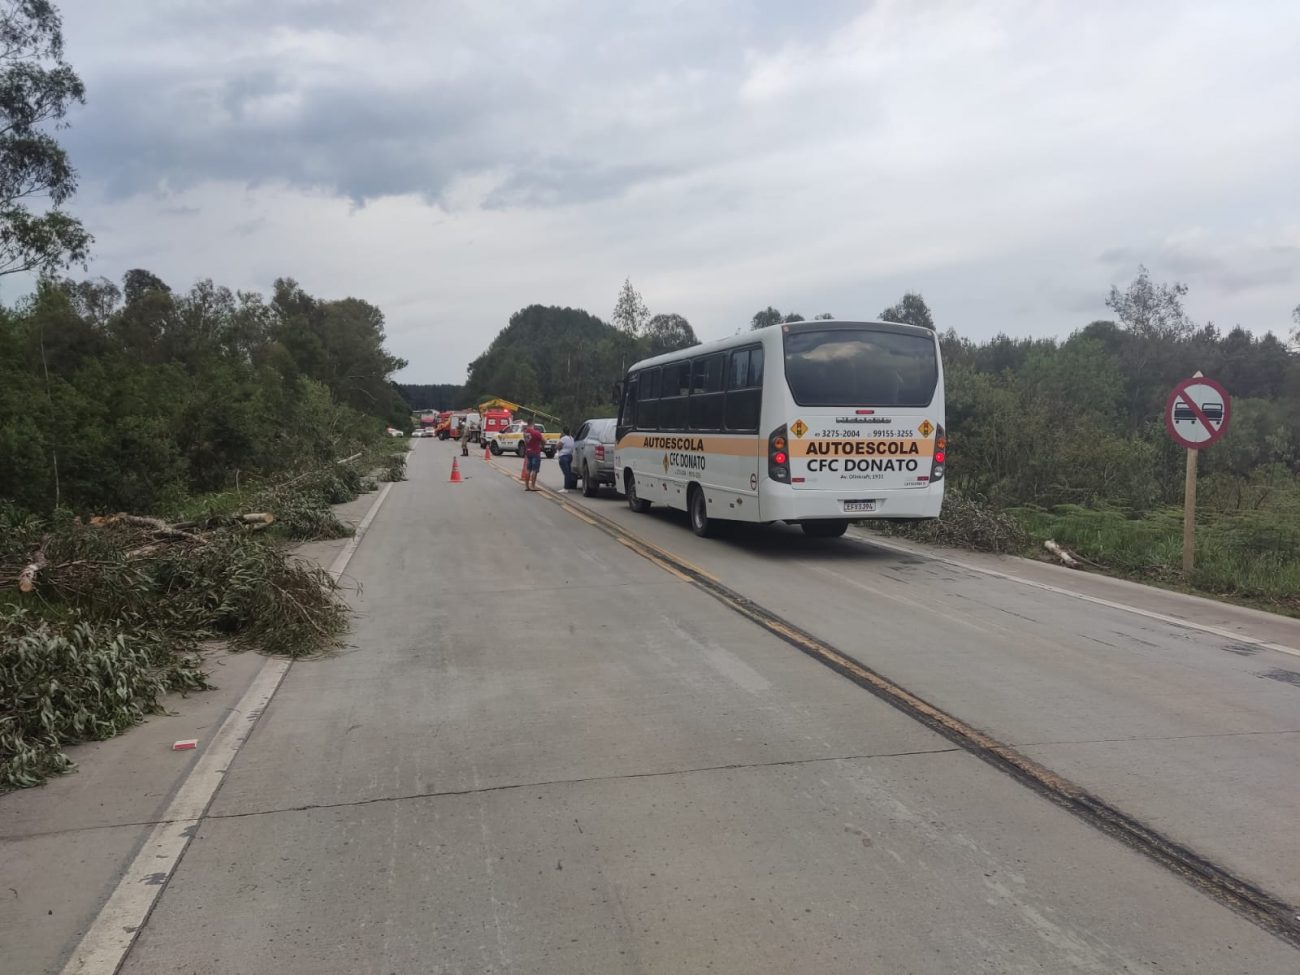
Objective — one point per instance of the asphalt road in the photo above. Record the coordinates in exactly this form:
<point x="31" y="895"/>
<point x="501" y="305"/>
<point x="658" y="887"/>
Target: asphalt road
<point x="545" y="752"/>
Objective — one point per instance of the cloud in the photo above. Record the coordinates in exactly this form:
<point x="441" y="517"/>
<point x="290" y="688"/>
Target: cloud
<point x="1229" y="265"/>
<point x="452" y="162"/>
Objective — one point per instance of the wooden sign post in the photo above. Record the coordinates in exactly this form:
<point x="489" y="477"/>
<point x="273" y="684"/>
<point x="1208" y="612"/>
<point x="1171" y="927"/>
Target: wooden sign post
<point x="1204" y="406"/>
<point x="1189" y="511"/>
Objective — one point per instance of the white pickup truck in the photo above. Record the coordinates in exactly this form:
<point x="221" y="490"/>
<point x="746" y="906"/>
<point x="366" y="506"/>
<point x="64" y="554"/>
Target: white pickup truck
<point x="511" y="440"/>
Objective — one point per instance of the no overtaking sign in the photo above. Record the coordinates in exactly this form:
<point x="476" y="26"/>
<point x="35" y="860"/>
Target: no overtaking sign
<point x="1197" y="412"/>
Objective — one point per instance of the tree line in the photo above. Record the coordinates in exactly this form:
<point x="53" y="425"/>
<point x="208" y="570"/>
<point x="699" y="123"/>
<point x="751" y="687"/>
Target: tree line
<point x="1081" y="420"/>
<point x="133" y="397"/>
<point x="1031" y="421"/>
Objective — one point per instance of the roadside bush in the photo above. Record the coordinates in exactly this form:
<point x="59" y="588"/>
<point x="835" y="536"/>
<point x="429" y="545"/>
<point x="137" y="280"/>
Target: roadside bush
<point x="965" y="522"/>
<point x="394" y="468"/>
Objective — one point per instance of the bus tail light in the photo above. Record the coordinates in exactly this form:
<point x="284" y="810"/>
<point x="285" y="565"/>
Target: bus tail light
<point x="940" y="455"/>
<point x="778" y="461"/>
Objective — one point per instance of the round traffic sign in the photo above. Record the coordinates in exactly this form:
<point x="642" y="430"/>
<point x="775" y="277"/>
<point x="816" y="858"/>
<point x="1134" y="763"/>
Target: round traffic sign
<point x="1197" y="412"/>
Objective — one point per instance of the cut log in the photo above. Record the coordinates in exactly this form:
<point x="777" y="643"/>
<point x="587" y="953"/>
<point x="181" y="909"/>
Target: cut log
<point x="256" y="518"/>
<point x="1063" y="554"/>
<point x="27" y="577"/>
<point x="160" y="527"/>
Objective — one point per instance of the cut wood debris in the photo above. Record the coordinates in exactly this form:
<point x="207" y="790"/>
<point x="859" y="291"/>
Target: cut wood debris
<point x="1064" y="555"/>
<point x="101" y="617"/>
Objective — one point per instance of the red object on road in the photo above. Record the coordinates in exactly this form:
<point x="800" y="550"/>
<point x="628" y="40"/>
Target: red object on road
<point x="185" y="744"/>
<point x="455" y="471"/>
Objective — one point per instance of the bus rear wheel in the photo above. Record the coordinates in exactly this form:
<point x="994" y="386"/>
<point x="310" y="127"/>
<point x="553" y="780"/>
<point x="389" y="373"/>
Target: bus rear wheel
<point x="701" y="523"/>
<point x="637" y="504"/>
<point x="825" y="529"/>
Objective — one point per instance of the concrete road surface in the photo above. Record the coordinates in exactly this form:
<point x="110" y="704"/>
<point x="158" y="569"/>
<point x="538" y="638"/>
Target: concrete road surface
<point x="546" y="753"/>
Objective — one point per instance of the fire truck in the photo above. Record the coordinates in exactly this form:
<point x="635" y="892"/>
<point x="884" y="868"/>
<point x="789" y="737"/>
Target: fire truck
<point x="496" y="416"/>
<point x="443" y="425"/>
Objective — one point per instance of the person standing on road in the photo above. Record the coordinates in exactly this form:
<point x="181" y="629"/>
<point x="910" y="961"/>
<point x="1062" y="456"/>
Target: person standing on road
<point x="464" y="437"/>
<point x="533" y="441"/>
<point x="565" y="457"/>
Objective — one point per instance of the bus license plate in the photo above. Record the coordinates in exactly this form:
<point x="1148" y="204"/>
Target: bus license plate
<point x="860" y="505"/>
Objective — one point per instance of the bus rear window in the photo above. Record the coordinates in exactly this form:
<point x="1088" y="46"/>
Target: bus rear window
<point x="860" y="367"/>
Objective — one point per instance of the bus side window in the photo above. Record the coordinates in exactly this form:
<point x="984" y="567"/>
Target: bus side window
<point x="706" y="411"/>
<point x="674" y="392"/>
<point x="627" y="413"/>
<point x="744" y="389"/>
<point x="647" y="410"/>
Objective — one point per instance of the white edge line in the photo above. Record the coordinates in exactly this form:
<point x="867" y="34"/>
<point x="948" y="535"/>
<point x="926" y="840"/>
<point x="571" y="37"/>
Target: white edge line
<point x="104" y="947"/>
<point x="1110" y="604"/>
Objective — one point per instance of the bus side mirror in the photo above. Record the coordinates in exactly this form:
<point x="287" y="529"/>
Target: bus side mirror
<point x="618" y="392"/>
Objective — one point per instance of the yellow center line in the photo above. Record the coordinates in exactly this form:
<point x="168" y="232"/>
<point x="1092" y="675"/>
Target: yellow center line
<point x="577" y="514"/>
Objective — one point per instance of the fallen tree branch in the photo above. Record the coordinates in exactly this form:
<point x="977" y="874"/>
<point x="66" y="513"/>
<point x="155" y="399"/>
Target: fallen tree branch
<point x="1064" y="554"/>
<point x="27" y="577"/>
<point x="156" y="525"/>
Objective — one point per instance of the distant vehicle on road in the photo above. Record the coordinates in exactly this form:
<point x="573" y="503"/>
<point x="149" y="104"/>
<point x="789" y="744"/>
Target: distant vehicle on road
<point x="811" y="423"/>
<point x="419" y="433"/>
<point x="593" y="454"/>
<point x="511" y="440"/>
<point x="394" y="432"/>
<point x="442" y="425"/>
<point x="494" y="421"/>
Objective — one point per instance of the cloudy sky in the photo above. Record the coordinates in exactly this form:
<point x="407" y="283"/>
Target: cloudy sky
<point x="454" y="160"/>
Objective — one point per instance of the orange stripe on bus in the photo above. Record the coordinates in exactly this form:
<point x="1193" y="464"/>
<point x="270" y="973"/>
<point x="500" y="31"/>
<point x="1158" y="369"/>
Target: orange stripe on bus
<point x="743" y="445"/>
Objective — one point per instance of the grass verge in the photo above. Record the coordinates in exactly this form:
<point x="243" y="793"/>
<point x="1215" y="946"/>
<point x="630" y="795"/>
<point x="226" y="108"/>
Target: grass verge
<point x="1250" y="557"/>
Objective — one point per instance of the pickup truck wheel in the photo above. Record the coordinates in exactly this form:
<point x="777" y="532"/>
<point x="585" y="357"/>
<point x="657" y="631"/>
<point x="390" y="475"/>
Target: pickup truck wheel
<point x="519" y="449"/>
<point x="589" y="486"/>
<point x="639" y="505"/>
<point x="495" y="448"/>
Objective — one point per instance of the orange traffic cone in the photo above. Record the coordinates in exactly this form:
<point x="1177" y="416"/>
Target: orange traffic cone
<point x="523" y="474"/>
<point x="487" y="453"/>
<point x="455" y="471"/>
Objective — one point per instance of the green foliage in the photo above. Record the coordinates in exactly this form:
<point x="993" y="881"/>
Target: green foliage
<point x="224" y="580"/>
<point x="669" y="333"/>
<point x="562" y="360"/>
<point x="1151" y="310"/>
<point x="1044" y="423"/>
<point x="75" y="680"/>
<point x="394" y="469"/>
<point x="37" y="87"/>
<point x="630" y="311"/>
<point x="965" y="522"/>
<point x="1251" y="555"/>
<point x="131" y="405"/>
<point x="911" y="310"/>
